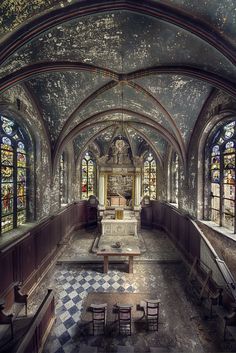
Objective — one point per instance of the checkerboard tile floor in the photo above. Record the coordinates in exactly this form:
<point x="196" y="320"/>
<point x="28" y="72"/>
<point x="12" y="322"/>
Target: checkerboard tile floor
<point x="73" y="286"/>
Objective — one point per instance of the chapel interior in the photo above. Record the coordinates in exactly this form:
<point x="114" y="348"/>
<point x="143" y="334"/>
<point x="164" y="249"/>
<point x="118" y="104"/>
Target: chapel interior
<point x="117" y="176"/>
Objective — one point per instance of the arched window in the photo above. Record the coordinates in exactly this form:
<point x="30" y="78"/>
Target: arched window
<point x="222" y="176"/>
<point x="174" y="182"/>
<point x="14" y="172"/>
<point x="150" y="177"/>
<point x="88" y="177"/>
<point x="63" y="179"/>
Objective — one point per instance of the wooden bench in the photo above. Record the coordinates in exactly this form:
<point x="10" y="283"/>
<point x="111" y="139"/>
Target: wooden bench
<point x="202" y="286"/>
<point x="20" y="302"/>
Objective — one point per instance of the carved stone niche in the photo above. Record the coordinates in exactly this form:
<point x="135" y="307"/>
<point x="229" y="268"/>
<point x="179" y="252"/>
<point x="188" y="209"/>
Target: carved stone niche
<point x="120" y="153"/>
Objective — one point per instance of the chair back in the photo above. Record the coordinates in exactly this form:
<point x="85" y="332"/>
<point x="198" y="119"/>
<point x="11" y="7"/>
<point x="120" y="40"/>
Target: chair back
<point x="152" y="313"/>
<point x="99" y="313"/>
<point x="124" y="318"/>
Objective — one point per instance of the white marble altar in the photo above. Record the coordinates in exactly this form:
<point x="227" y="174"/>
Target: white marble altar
<point x="126" y="226"/>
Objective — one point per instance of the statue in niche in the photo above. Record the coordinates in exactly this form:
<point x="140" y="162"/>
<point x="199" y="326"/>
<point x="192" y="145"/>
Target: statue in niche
<point x="120" y="153"/>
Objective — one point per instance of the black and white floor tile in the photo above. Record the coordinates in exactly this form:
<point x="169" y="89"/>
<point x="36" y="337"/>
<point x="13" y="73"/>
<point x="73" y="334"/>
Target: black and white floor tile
<point x="73" y="286"/>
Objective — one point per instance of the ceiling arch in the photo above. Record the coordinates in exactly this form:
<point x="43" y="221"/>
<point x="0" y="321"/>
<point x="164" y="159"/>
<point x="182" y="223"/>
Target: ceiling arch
<point x="84" y="8"/>
<point x="93" y="65"/>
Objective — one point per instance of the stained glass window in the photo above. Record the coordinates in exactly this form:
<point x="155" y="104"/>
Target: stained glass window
<point x="222" y="177"/>
<point x="88" y="178"/>
<point x="150" y="177"/>
<point x="14" y="175"/>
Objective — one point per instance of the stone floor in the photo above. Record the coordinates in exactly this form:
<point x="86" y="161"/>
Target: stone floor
<point x="158" y="272"/>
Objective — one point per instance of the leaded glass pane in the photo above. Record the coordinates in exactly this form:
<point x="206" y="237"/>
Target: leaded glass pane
<point x="229" y="176"/>
<point x="229" y="130"/>
<point x="215" y="162"/>
<point x="21" y="217"/>
<point x="215" y="176"/>
<point x="229" y="161"/>
<point x="7" y="174"/>
<point x="21" y="147"/>
<point x="7" y="223"/>
<point x="229" y="147"/>
<point x="7" y="156"/>
<point x="21" y="160"/>
<point x="149" y="177"/>
<point x="215" y="202"/>
<point x="222" y="168"/>
<point x="13" y="175"/>
<point x="88" y="177"/>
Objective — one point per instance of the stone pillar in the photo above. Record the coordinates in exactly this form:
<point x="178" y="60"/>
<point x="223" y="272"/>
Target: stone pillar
<point x="101" y="190"/>
<point x="101" y="194"/>
<point x="137" y="196"/>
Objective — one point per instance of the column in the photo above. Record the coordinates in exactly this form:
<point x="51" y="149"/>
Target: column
<point x="102" y="189"/>
<point x="137" y="198"/>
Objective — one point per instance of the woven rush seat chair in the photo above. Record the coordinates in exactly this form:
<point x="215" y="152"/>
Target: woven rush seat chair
<point x="99" y="315"/>
<point x="151" y="309"/>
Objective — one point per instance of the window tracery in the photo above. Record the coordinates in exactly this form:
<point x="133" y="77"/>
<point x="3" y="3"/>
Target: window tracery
<point x="88" y="178"/>
<point x="150" y="177"/>
<point x="222" y="176"/>
<point x="14" y="172"/>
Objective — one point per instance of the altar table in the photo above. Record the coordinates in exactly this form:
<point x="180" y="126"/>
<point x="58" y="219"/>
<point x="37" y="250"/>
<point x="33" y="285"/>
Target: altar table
<point x="130" y="252"/>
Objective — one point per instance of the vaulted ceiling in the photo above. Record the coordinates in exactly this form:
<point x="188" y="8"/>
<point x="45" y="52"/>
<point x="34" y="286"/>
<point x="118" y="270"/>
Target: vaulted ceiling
<point x="92" y="66"/>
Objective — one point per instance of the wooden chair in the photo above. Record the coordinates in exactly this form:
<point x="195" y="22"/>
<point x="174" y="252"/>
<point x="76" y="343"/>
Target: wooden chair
<point x="99" y="314"/>
<point x="124" y="318"/>
<point x="152" y="313"/>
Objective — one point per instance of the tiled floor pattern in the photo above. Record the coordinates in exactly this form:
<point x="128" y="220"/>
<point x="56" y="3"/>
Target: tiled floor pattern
<point x="73" y="286"/>
<point x="182" y="328"/>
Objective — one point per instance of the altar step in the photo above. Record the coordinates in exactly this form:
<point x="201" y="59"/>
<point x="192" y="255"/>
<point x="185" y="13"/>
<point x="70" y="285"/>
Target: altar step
<point x="117" y="260"/>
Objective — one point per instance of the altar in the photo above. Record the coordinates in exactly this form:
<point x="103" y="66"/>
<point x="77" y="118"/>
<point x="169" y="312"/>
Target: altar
<point x="116" y="227"/>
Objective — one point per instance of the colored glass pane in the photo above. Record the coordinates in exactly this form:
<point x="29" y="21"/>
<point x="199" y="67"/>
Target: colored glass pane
<point x="215" y="150"/>
<point x="7" y="174"/>
<point x="215" y="176"/>
<point x="7" y="125"/>
<point x="215" y="162"/>
<point x="229" y="130"/>
<point x="149" y="177"/>
<point x="88" y="176"/>
<point x="21" y="217"/>
<point x="229" y="176"/>
<point x="7" y="157"/>
<point x="229" y="191"/>
<point x="6" y="141"/>
<point x="21" y="147"/>
<point x="7" y="223"/>
<point x="229" y="147"/>
<point x="13" y="172"/>
<point x="21" y="160"/>
<point x="229" y="161"/>
<point x="7" y="198"/>
<point x="21" y="175"/>
<point x="215" y="189"/>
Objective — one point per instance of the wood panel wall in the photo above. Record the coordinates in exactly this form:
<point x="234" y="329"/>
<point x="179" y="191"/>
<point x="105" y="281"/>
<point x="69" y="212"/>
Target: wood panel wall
<point x="179" y="227"/>
<point x="26" y="259"/>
